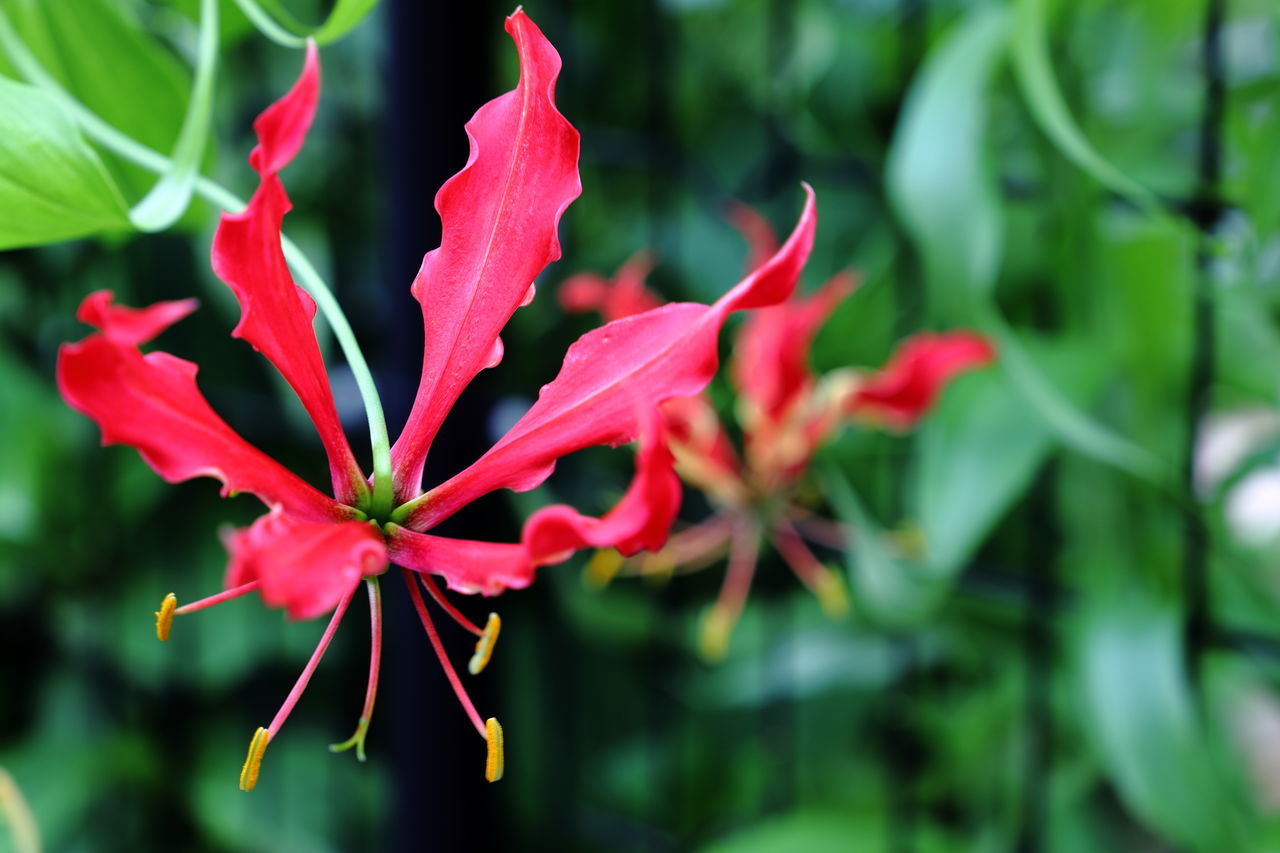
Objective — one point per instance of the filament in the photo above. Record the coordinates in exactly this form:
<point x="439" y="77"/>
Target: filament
<point x="449" y="671"/>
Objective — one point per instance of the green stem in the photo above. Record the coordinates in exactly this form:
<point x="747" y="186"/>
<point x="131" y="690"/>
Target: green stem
<point x="134" y="151"/>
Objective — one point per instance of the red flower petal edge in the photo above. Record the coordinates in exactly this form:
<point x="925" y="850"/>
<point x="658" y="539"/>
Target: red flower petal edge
<point x="498" y="219"/>
<point x="901" y="392"/>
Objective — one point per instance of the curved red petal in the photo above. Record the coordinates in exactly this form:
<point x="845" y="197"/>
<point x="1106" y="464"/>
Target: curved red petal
<point x="641" y="519"/>
<point x="276" y="319"/>
<point x="612" y="374"/>
<point x="905" y="389"/>
<point x="126" y="325"/>
<point x="771" y="358"/>
<point x="152" y="403"/>
<point x="282" y="127"/>
<point x="498" y="217"/>
<point x="305" y="567"/>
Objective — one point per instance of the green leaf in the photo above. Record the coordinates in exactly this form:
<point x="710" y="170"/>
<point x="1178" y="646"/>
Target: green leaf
<point x="1141" y="714"/>
<point x="53" y="187"/>
<point x="274" y="22"/>
<point x="976" y="453"/>
<point x="938" y="179"/>
<point x="813" y="832"/>
<point x="171" y="195"/>
<point x="1030" y="52"/>
<point x="111" y="65"/>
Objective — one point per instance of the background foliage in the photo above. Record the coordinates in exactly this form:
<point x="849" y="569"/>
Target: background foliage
<point x="1065" y="588"/>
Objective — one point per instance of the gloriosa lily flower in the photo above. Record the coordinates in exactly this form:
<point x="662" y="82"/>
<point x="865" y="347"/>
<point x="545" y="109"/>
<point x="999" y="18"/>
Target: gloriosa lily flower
<point x="786" y="414"/>
<point x="309" y="552"/>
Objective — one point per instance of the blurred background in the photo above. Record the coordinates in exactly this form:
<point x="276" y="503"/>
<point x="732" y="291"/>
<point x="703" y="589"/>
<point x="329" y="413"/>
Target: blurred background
<point x="1066" y="582"/>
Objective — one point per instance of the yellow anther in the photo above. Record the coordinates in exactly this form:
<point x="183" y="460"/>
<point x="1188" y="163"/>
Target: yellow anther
<point x="602" y="568"/>
<point x="495" y="763"/>
<point x="832" y="597"/>
<point x="253" y="761"/>
<point x="713" y="638"/>
<point x="484" y="645"/>
<point x="164" y="617"/>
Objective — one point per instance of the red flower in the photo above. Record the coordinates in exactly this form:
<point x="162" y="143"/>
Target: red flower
<point x="309" y="552"/>
<point x="786" y="414"/>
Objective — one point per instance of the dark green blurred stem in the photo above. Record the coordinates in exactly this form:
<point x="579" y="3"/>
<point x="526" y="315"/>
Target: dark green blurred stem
<point x="1207" y="211"/>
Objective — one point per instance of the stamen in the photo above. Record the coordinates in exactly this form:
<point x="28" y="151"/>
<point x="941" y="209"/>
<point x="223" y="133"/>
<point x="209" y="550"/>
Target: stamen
<point x="721" y="617"/>
<point x="602" y="568"/>
<point x="164" y="617"/>
<point x="447" y="605"/>
<point x="821" y="581"/>
<point x="495" y="762"/>
<point x="484" y="645"/>
<point x="225" y="595"/>
<point x="253" y="761"/>
<point x="249" y="774"/>
<point x="375" y="657"/>
<point x="449" y="671"/>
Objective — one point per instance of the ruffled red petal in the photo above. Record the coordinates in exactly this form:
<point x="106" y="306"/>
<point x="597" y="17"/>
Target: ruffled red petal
<point x="640" y="520"/>
<point x="613" y="374"/>
<point x="126" y="325"/>
<point x="498" y="218"/>
<point x="276" y="315"/>
<point x="305" y="567"/>
<point x="152" y="403"/>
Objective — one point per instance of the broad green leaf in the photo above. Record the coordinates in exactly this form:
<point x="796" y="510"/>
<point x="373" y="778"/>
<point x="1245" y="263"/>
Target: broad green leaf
<point x="112" y="66"/>
<point x="1141" y="714"/>
<point x="53" y="187"/>
<point x="275" y="22"/>
<point x="1030" y="53"/>
<point x="938" y="177"/>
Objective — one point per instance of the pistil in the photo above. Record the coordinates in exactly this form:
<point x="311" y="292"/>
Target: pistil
<point x="375" y="658"/>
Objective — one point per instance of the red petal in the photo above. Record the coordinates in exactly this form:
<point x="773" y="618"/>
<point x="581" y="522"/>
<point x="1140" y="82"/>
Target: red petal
<point x="275" y="314"/>
<point x="126" y="325"/>
<point x="905" y="388"/>
<point x="620" y="297"/>
<point x="276" y="318"/>
<point x="306" y="567"/>
<point x="771" y="359"/>
<point x="151" y="403"/>
<point x="282" y="127"/>
<point x="757" y="231"/>
<point x="611" y="375"/>
<point x="499" y="218"/>
<point x="640" y="520"/>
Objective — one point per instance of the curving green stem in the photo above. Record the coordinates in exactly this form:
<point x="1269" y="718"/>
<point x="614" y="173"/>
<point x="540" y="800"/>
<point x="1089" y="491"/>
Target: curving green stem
<point x="134" y="151"/>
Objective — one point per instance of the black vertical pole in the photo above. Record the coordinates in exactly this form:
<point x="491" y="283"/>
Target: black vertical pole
<point x="439" y="72"/>
<point x="1207" y="211"/>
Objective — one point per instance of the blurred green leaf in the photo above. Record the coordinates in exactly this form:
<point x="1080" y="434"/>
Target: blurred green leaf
<point x="938" y="176"/>
<point x="1030" y="52"/>
<point x="276" y="23"/>
<point x="110" y="64"/>
<point x="53" y="187"/>
<point x="812" y="832"/>
<point x="168" y="199"/>
<point x="976" y="453"/>
<point x="1143" y="719"/>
